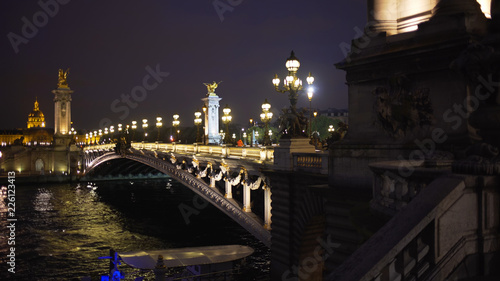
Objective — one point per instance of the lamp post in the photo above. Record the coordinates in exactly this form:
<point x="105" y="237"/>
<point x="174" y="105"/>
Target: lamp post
<point x="310" y="96"/>
<point x="252" y="140"/>
<point x="176" y="124"/>
<point x="134" y="127"/>
<point x="226" y="119"/>
<point x="205" y="124"/>
<point x="159" y="124"/>
<point x="293" y="85"/>
<point x="197" y="122"/>
<point x="145" y="127"/>
<point x="266" y="116"/>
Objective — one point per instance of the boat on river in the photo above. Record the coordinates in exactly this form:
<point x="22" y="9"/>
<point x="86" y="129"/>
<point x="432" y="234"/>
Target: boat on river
<point x="199" y="263"/>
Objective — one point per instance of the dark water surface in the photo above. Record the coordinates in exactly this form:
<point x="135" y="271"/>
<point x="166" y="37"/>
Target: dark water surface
<point x="62" y="229"/>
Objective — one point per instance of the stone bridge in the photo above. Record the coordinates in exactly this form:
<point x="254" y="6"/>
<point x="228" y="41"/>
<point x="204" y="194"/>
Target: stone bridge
<point x="205" y="169"/>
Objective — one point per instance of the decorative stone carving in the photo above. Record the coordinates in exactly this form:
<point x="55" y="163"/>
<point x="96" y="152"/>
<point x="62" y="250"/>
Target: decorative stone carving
<point x="400" y="109"/>
<point x="293" y="124"/>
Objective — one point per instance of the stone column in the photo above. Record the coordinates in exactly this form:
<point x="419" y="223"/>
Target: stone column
<point x="62" y="110"/>
<point x="229" y="190"/>
<point x="246" y="198"/>
<point x="383" y="14"/>
<point x="267" y="208"/>
<point x="212" y="118"/>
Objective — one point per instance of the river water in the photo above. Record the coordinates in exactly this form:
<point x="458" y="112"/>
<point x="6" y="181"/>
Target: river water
<point x="62" y="229"/>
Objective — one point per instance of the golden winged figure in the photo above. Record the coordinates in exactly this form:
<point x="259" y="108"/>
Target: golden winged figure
<point x="63" y="78"/>
<point x="212" y="86"/>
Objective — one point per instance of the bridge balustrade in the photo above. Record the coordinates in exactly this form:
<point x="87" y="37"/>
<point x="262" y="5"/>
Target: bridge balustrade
<point x="257" y="153"/>
<point x="316" y="163"/>
<point x="311" y="162"/>
<point x="450" y="220"/>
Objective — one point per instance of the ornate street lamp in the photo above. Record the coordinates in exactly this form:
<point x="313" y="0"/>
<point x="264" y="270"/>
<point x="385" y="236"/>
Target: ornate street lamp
<point x="176" y="124"/>
<point x="205" y="124"/>
<point x="197" y="122"/>
<point x="145" y="127"/>
<point x="331" y="129"/>
<point x="252" y="138"/>
<point x="310" y="96"/>
<point x="226" y="119"/>
<point x="134" y="127"/>
<point x="293" y="85"/>
<point x="159" y="124"/>
<point x="266" y="116"/>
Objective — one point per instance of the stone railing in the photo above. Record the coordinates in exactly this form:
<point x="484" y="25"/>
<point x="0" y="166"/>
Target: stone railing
<point x="311" y="162"/>
<point x="395" y="183"/>
<point x="256" y="153"/>
<point x="100" y="147"/>
<point x="433" y="235"/>
<point x="316" y="163"/>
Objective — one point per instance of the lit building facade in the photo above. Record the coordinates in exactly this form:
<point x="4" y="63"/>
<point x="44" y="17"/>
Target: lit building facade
<point x="35" y="132"/>
<point x="37" y="150"/>
<point x="36" y="117"/>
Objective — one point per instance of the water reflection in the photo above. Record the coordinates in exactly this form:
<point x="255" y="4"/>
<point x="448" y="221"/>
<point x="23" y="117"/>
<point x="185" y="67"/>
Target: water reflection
<point x="63" y="228"/>
<point x="42" y="201"/>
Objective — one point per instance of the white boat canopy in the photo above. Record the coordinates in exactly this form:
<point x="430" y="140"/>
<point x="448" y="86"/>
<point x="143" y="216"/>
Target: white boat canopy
<point x="186" y="256"/>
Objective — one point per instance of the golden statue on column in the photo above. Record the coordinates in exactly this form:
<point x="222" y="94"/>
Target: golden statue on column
<point x="63" y="79"/>
<point x="211" y="87"/>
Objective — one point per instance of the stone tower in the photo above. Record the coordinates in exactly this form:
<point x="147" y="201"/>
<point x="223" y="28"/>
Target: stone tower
<point x="62" y="105"/>
<point x="212" y="114"/>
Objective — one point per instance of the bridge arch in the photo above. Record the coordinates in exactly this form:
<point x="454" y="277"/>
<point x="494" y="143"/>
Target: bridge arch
<point x="211" y="194"/>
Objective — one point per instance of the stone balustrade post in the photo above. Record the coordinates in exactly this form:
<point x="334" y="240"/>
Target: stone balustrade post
<point x="263" y="153"/>
<point x="225" y="151"/>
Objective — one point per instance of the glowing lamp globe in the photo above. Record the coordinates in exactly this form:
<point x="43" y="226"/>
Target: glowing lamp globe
<point x="292" y="63"/>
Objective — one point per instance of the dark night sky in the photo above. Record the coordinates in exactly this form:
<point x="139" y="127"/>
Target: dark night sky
<point x="108" y="45"/>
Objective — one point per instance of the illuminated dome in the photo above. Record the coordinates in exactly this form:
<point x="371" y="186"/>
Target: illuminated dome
<point x="36" y="117"/>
